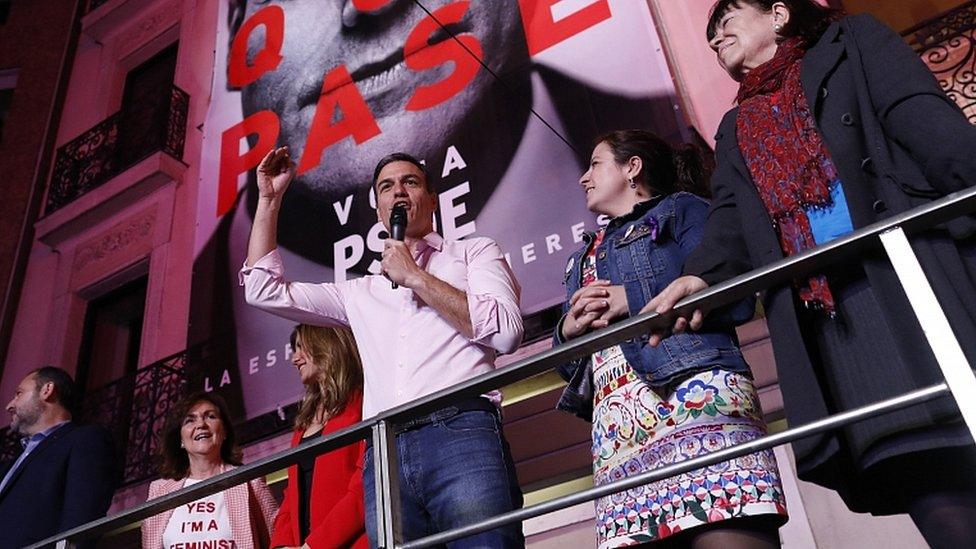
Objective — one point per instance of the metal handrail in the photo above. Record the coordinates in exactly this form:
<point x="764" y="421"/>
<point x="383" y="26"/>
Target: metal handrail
<point x="685" y="466"/>
<point x="777" y="273"/>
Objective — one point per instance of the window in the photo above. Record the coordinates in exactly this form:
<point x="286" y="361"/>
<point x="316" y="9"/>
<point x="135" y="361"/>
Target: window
<point x="112" y="335"/>
<point x="146" y="106"/>
<point x="109" y="351"/>
<point x="8" y="81"/>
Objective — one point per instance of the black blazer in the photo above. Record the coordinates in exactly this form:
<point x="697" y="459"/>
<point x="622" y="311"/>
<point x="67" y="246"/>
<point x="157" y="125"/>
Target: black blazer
<point x="897" y="142"/>
<point x="66" y="481"/>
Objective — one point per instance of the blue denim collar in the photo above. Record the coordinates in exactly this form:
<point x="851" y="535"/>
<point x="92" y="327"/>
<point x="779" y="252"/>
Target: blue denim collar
<point x="640" y="209"/>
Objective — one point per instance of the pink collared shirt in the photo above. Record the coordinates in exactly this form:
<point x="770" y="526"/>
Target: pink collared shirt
<point x="408" y="349"/>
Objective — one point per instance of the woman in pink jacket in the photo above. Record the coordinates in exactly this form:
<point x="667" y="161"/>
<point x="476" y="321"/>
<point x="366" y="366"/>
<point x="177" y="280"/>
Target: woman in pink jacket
<point x="197" y="443"/>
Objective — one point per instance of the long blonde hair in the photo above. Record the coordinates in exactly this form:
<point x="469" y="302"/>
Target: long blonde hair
<point x="339" y="371"/>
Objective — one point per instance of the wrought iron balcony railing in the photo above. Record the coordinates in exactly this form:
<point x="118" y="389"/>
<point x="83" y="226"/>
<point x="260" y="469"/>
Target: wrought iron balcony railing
<point x="117" y="143"/>
<point x="133" y="408"/>
<point x="947" y="44"/>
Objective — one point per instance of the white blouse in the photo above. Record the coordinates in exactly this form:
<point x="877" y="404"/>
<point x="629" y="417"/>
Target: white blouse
<point x="202" y="524"/>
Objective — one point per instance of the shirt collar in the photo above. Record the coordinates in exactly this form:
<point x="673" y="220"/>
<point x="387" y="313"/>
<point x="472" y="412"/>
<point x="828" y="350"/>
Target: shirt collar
<point x="432" y="240"/>
<point x="38" y="437"/>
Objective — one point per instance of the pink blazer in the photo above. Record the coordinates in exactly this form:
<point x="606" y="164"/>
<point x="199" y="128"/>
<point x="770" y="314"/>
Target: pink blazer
<point x="251" y="513"/>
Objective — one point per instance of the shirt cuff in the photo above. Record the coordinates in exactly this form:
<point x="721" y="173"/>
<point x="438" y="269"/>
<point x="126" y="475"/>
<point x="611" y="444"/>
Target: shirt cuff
<point x="270" y="263"/>
<point x="484" y="318"/>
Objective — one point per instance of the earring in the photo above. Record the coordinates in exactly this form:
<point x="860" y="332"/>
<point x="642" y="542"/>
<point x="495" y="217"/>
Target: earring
<point x="778" y="28"/>
<point x="181" y="444"/>
<point x="632" y="184"/>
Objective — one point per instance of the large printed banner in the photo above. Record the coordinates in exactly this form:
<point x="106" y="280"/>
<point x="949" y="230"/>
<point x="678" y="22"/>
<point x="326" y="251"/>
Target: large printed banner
<point x="500" y="98"/>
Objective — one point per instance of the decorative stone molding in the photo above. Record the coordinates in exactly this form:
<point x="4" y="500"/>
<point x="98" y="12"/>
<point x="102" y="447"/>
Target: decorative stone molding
<point x="147" y="27"/>
<point x="116" y="246"/>
<point x="88" y="211"/>
<point x="101" y="24"/>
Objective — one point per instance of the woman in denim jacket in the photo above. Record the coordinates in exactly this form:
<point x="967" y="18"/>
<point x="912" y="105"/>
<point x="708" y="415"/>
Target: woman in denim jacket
<point x="653" y="406"/>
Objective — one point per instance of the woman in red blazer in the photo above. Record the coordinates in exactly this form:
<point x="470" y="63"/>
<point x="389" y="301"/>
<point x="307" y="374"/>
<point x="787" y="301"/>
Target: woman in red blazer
<point x="323" y="503"/>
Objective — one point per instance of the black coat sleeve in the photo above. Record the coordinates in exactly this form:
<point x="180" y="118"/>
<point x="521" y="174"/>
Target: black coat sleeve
<point x="913" y="109"/>
<point x="722" y="252"/>
<point x="90" y="479"/>
<point x="691" y="223"/>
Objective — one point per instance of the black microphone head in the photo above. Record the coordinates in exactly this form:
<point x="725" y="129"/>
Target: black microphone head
<point x="399" y="213"/>
<point x="398" y="222"/>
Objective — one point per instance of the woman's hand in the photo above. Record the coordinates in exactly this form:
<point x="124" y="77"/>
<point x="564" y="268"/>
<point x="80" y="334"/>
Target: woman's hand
<point x="594" y="307"/>
<point x="274" y="174"/>
<point x="663" y="302"/>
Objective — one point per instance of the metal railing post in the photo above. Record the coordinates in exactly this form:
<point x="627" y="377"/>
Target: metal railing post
<point x="956" y="369"/>
<point x="386" y="468"/>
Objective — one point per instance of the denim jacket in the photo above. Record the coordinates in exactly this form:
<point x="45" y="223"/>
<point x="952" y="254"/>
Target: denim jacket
<point x="644" y="251"/>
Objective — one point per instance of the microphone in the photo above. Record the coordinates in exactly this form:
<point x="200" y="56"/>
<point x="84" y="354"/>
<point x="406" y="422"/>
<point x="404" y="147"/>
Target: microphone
<point x="398" y="225"/>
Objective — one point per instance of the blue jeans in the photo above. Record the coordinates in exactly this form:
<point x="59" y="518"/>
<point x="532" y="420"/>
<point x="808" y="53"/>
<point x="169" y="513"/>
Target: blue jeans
<point x="453" y="472"/>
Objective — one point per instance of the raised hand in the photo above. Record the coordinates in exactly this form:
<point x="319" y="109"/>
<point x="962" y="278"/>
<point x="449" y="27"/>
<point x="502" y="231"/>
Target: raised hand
<point x="274" y="174"/>
<point x="663" y="302"/>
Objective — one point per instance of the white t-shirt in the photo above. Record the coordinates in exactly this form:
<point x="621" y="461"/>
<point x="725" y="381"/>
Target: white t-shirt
<point x="203" y="524"/>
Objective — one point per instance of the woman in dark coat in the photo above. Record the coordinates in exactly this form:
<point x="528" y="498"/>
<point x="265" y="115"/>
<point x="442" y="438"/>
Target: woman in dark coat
<point x="839" y="125"/>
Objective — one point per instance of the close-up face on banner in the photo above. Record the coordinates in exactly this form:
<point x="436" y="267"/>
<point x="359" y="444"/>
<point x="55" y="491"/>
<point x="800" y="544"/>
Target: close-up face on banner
<point x="501" y="99"/>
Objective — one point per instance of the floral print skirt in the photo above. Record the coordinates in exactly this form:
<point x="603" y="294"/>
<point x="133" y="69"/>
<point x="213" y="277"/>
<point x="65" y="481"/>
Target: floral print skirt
<point x="637" y="430"/>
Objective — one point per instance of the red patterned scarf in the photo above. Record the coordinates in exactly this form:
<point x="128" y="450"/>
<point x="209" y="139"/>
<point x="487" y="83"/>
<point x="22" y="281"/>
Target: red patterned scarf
<point x="786" y="156"/>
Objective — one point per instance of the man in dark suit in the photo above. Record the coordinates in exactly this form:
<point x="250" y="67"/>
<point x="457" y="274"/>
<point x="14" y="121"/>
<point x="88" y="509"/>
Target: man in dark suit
<point x="66" y="474"/>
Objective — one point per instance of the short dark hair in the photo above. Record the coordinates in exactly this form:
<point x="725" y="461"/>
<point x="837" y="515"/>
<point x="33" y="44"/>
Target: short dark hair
<point x="64" y="386"/>
<point x="808" y="19"/>
<point x="402" y="157"/>
<point x="173" y="460"/>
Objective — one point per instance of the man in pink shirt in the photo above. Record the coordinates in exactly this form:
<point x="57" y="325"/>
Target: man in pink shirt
<point x="455" y="308"/>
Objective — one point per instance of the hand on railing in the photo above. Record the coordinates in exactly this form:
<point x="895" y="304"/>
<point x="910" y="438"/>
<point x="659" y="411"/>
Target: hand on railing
<point x="594" y="307"/>
<point x="663" y="302"/>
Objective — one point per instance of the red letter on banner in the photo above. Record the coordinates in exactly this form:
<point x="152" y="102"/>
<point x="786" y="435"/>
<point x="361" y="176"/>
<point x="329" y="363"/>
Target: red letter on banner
<point x="542" y="32"/>
<point x="239" y="73"/>
<point x="232" y="163"/>
<point x="419" y="56"/>
<point x="369" y="5"/>
<point x="338" y="92"/>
